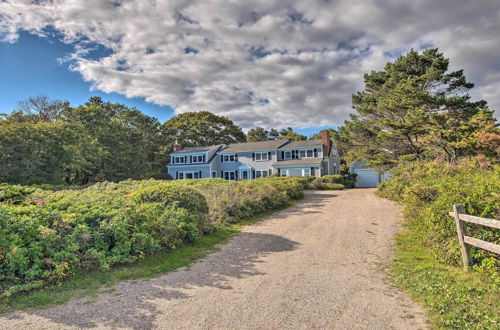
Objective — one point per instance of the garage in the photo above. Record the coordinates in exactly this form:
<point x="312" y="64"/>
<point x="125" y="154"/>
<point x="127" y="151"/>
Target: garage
<point x="367" y="177"/>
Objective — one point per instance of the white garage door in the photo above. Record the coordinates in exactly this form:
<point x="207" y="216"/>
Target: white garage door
<point x="366" y="178"/>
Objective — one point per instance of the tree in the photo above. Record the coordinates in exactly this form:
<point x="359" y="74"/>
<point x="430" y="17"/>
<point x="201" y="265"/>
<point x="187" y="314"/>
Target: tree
<point x="258" y="134"/>
<point x="202" y="128"/>
<point x="414" y="109"/>
<point x="40" y="108"/>
<point x="288" y="133"/>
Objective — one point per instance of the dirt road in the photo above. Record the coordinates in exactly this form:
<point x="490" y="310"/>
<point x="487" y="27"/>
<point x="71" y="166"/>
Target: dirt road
<point x="319" y="264"/>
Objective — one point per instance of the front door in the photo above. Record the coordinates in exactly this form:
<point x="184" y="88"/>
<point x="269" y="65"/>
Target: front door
<point x="244" y="175"/>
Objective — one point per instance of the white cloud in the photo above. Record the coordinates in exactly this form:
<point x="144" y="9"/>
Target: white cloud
<point x="261" y="62"/>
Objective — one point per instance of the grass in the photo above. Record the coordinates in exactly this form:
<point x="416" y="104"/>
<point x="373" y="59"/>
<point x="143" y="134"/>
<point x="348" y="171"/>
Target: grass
<point x="92" y="283"/>
<point x="454" y="299"/>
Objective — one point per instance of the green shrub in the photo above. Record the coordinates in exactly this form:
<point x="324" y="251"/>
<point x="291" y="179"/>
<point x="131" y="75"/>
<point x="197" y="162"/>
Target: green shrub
<point x="49" y="237"/>
<point x="350" y="180"/>
<point x="333" y="178"/>
<point x="168" y="194"/>
<point x="14" y="194"/>
<point x="428" y="192"/>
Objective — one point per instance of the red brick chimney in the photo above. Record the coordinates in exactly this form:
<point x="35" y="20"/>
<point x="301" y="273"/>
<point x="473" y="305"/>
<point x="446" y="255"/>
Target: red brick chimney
<point x="327" y="143"/>
<point x="177" y="147"/>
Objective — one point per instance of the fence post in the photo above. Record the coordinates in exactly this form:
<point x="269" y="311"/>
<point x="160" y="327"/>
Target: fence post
<point x="458" y="209"/>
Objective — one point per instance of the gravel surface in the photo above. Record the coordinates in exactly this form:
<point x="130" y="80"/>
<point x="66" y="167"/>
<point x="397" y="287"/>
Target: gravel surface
<point x="319" y="264"/>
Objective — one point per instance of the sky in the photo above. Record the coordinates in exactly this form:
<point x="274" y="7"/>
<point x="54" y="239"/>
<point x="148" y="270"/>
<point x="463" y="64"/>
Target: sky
<point x="263" y="63"/>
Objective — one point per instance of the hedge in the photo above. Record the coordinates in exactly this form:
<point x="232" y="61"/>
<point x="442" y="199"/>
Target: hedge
<point x="429" y="190"/>
<point x="46" y="236"/>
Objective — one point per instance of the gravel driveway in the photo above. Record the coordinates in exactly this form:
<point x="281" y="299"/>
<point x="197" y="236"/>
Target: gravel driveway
<point x="319" y="264"/>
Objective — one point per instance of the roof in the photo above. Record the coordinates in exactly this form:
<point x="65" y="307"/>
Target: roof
<point x="254" y="146"/>
<point x="304" y="161"/>
<point x="189" y="150"/>
<point x="301" y="144"/>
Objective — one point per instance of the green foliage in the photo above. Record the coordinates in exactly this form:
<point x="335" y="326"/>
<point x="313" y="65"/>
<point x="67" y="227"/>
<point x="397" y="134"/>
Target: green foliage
<point x="429" y="190"/>
<point x="260" y="134"/>
<point x="328" y="182"/>
<point x="202" y="128"/>
<point x="14" y="194"/>
<point x="57" y="234"/>
<point x="455" y="299"/>
<point x="416" y="110"/>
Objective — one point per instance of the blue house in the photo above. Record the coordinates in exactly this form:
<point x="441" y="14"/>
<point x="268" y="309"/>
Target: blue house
<point x="243" y="161"/>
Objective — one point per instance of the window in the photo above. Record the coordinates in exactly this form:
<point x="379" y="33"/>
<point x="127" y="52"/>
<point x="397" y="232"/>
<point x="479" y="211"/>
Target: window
<point x="214" y="174"/>
<point x="261" y="174"/>
<point x="310" y="153"/>
<point x="190" y="175"/>
<point x="284" y="172"/>
<point x="179" y="159"/>
<point x="288" y="154"/>
<point x="302" y="153"/>
<point x="306" y="171"/>
<point x="198" y="159"/>
<point x="229" y="158"/>
<point x="260" y="156"/>
<point x="230" y="175"/>
<point x="181" y="175"/>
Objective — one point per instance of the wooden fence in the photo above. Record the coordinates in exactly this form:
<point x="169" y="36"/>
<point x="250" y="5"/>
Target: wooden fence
<point x="461" y="218"/>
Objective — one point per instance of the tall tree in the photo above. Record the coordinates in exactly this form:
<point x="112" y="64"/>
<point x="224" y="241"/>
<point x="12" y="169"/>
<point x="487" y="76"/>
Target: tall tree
<point x="414" y="109"/>
<point x="290" y="134"/>
<point x="202" y="128"/>
<point x="258" y="134"/>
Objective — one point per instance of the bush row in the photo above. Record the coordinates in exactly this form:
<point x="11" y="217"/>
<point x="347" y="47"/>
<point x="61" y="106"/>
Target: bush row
<point x="46" y="236"/>
<point x="428" y="192"/>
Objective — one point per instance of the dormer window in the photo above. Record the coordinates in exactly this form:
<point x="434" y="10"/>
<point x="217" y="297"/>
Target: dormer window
<point x="179" y="159"/>
<point x="198" y="159"/>
<point x="229" y="158"/>
<point x="260" y="156"/>
<point x="288" y="154"/>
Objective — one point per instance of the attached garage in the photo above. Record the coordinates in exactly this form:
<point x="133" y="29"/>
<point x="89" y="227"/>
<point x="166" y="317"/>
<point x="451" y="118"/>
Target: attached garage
<point x="367" y="177"/>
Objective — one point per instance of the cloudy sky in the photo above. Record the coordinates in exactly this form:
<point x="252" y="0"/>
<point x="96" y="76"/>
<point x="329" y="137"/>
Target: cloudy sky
<point x="262" y="63"/>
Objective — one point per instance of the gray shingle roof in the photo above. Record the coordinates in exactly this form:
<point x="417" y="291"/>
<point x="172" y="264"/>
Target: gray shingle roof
<point x="301" y="144"/>
<point x="188" y="150"/>
<point x="304" y="161"/>
<point x="254" y="146"/>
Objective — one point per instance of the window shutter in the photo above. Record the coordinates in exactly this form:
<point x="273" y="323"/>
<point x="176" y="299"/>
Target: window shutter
<point x="176" y="175"/>
<point x="269" y="155"/>
<point x="315" y="153"/>
<point x="282" y="155"/>
<point x="222" y="158"/>
<point x="253" y="174"/>
<point x="199" y="175"/>
<point x="270" y="172"/>
<point x="235" y="157"/>
<point x="279" y="171"/>
<point x="222" y="174"/>
<point x="253" y="156"/>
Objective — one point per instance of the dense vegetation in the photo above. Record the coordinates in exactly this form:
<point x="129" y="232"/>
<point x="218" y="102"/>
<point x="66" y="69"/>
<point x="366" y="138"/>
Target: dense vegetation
<point x="46" y="236"/>
<point x="415" y="109"/>
<point x="428" y="260"/>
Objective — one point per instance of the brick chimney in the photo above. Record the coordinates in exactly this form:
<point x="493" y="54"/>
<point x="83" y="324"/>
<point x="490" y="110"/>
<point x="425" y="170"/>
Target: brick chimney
<point x="177" y="147"/>
<point x="327" y="143"/>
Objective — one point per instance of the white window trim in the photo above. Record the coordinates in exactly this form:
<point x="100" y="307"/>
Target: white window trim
<point x="178" y="158"/>
<point x="229" y="175"/>
<point x="261" y="173"/>
<point x="308" y="169"/>
<point x="289" y="152"/>
<point x="229" y="158"/>
<point x="284" y="172"/>
<point x="261" y="156"/>
<point x="196" y="157"/>
<point x="194" y="174"/>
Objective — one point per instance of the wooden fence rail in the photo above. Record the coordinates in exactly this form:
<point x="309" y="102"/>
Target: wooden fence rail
<point x="461" y="218"/>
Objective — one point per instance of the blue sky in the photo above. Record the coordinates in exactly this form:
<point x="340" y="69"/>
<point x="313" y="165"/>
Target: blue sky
<point x="31" y="66"/>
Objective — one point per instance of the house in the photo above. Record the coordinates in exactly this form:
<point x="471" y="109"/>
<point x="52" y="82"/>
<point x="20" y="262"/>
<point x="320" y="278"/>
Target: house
<point x="367" y="177"/>
<point x="242" y="161"/>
